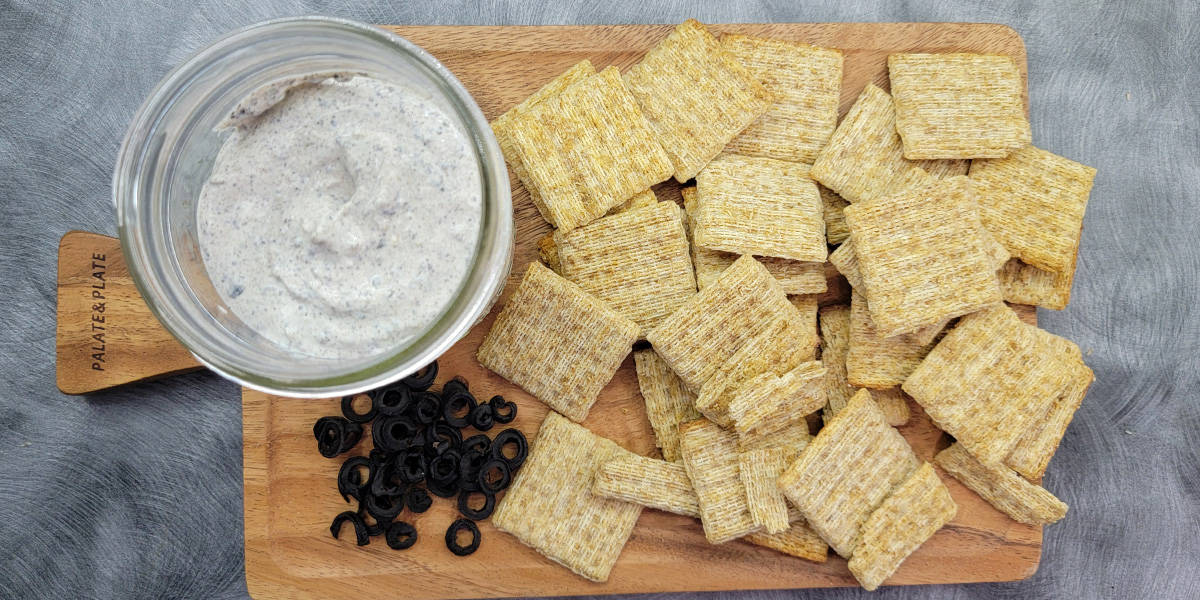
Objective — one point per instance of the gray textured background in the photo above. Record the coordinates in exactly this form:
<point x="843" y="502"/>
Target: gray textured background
<point x="137" y="492"/>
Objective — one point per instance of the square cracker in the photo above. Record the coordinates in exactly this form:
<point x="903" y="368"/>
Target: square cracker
<point x="894" y="405"/>
<point x="548" y="248"/>
<point x="711" y="458"/>
<point x="696" y="96"/>
<point x="808" y="305"/>
<point x="668" y="401"/>
<point x="769" y="402"/>
<point x="503" y="125"/>
<point x="649" y="482"/>
<point x="807" y="84"/>
<point x="548" y="252"/>
<point x="799" y="541"/>
<point x="1033" y="201"/>
<point x="1024" y="284"/>
<point x="1002" y="488"/>
<point x="550" y="506"/>
<point x="845" y="260"/>
<point x="759" y="206"/>
<point x="834" y="322"/>
<point x="958" y="105"/>
<point x="699" y="337"/>
<point x="874" y="361"/>
<point x="991" y="379"/>
<point x="832" y="205"/>
<point x="557" y="342"/>
<point x="922" y="256"/>
<point x="636" y="261"/>
<point x="865" y="156"/>
<point x="1035" y="448"/>
<point x="783" y="345"/>
<point x="835" y="346"/>
<point x="588" y="149"/>
<point x="794" y="276"/>
<point x="915" y="511"/>
<point x="847" y="471"/>
<point x="792" y="439"/>
<point x="639" y="200"/>
<point x="759" y="471"/>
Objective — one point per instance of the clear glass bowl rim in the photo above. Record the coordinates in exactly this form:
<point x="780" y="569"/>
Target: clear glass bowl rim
<point x="493" y="259"/>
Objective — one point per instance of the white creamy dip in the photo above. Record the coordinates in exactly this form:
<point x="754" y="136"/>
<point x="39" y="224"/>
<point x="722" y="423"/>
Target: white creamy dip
<point x="342" y="214"/>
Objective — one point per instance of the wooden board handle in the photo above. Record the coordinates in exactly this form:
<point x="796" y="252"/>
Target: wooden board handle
<point x="106" y="334"/>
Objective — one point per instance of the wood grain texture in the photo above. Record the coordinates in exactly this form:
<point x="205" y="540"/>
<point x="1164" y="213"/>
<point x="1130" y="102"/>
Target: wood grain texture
<point x="106" y="335"/>
<point x="290" y="490"/>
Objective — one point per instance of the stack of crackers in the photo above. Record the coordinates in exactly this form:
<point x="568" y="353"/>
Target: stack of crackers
<point x="776" y="417"/>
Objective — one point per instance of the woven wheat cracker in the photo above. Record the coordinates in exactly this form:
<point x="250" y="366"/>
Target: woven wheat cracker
<point x="550" y="506"/>
<point x="991" y="379"/>
<point x="557" y="342"/>
<point x="779" y="347"/>
<point x="648" y="482"/>
<point x="770" y="402"/>
<point x="807" y="83"/>
<point x="915" y="511"/>
<point x="636" y="261"/>
<point x="792" y="439"/>
<point x="503" y="124"/>
<point x="1002" y="488"/>
<point x="1024" y="284"/>
<point x="875" y="361"/>
<point x="699" y="337"/>
<point x="1034" y="201"/>
<point x="696" y="96"/>
<point x="921" y="256"/>
<point x="835" y="346"/>
<point x="548" y="252"/>
<point x="847" y="470"/>
<point x="794" y="276"/>
<point x="894" y="405"/>
<point x="1035" y="448"/>
<point x="864" y="155"/>
<point x="711" y="458"/>
<point x="759" y="206"/>
<point x="668" y="401"/>
<point x="807" y="305"/>
<point x="917" y="177"/>
<point x="838" y="291"/>
<point x="759" y="471"/>
<point x="588" y="149"/>
<point x="640" y="200"/>
<point x="958" y="105"/>
<point x="846" y="262"/>
<point x="832" y="205"/>
<point x="799" y="541"/>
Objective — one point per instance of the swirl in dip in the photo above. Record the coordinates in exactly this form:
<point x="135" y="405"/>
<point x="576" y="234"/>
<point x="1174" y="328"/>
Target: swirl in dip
<point x="342" y="214"/>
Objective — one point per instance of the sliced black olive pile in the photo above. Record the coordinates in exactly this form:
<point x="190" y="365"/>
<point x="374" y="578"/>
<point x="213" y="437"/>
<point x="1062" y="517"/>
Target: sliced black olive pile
<point x="419" y="452"/>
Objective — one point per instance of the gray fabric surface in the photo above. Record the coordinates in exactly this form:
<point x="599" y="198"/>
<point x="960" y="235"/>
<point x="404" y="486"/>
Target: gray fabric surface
<point x="137" y="492"/>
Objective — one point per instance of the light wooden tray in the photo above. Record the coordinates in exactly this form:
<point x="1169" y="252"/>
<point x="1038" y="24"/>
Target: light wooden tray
<point x="291" y="495"/>
<point x="290" y="490"/>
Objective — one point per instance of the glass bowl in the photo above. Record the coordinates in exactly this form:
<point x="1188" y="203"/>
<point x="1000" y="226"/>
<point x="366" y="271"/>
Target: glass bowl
<point x="168" y="153"/>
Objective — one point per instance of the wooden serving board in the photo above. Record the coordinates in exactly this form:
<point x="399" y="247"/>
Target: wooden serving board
<point x="290" y="490"/>
<point x="106" y="334"/>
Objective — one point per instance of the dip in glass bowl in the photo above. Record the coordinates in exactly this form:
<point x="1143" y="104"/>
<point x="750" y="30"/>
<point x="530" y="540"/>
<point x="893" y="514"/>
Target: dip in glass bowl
<point x="314" y="207"/>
